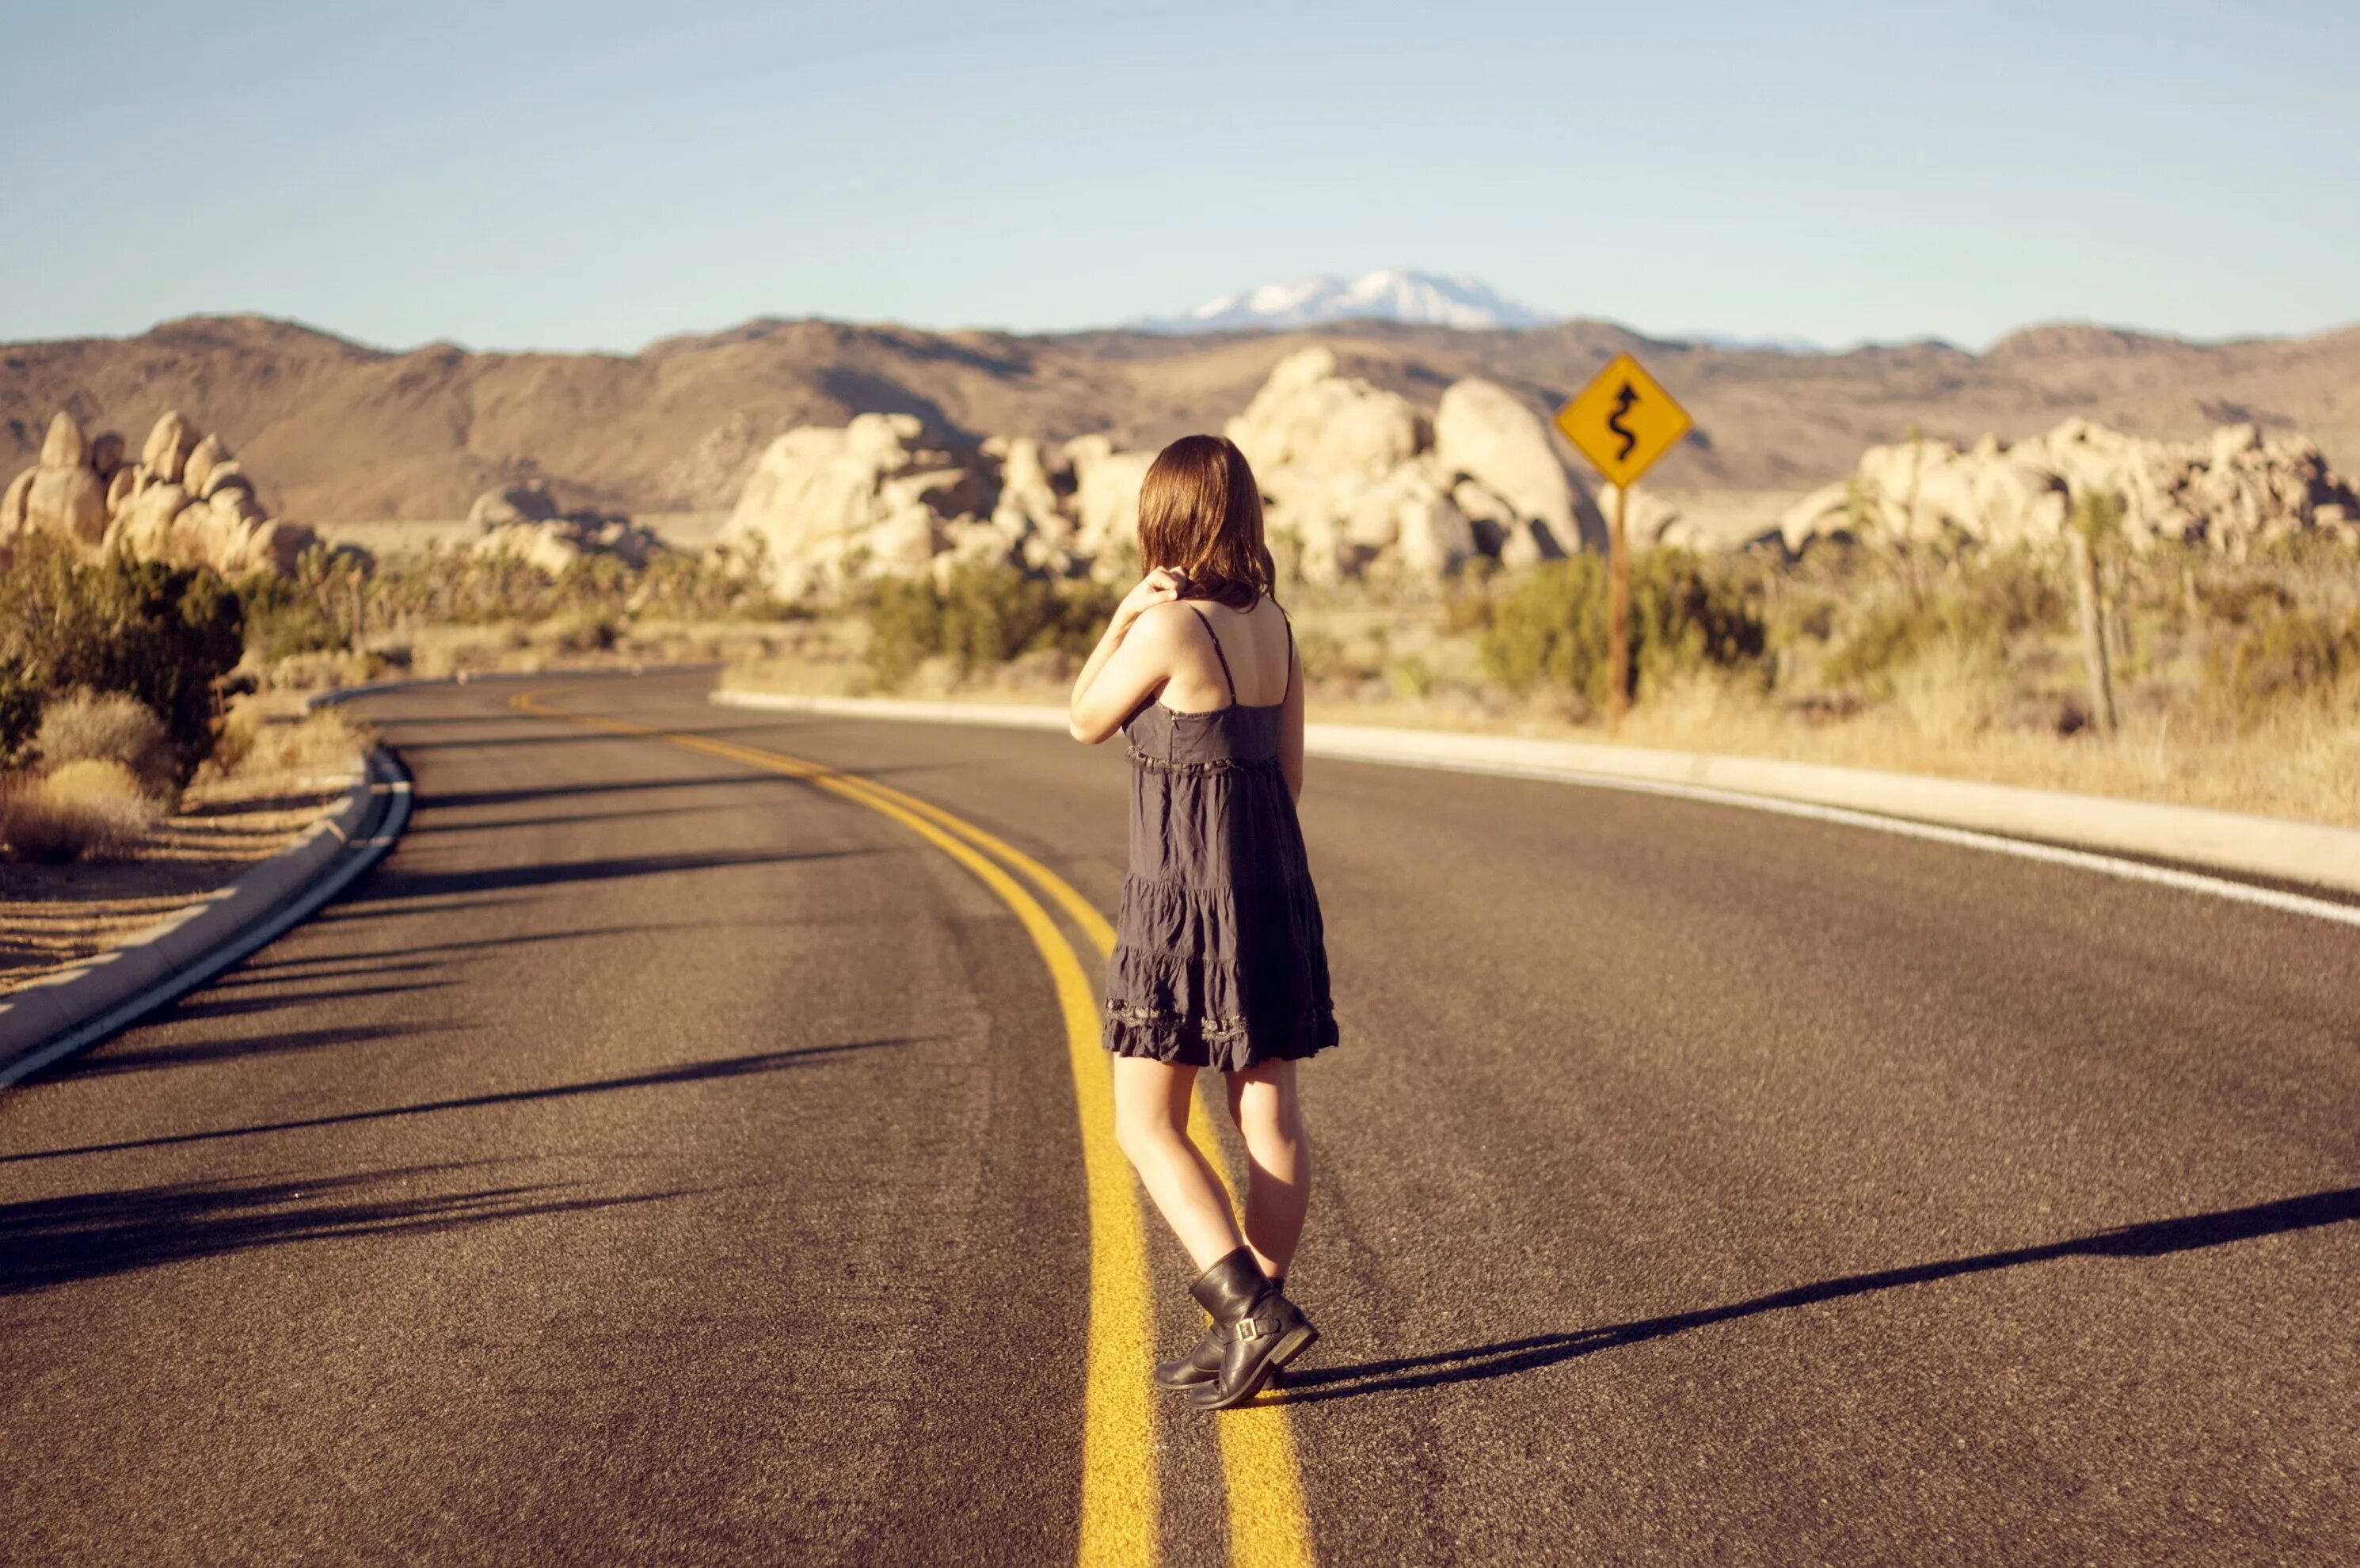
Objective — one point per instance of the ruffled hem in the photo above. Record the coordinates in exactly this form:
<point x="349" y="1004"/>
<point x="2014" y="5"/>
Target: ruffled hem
<point x="1223" y="1044"/>
<point x="1204" y="764"/>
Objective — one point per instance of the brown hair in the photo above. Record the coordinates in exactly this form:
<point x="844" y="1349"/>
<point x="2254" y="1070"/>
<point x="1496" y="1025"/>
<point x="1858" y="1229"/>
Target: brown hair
<point x="1200" y="513"/>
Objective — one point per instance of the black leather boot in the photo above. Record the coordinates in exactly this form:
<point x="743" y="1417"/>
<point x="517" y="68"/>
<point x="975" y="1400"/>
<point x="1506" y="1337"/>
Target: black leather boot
<point x="1200" y="1364"/>
<point x="1260" y="1330"/>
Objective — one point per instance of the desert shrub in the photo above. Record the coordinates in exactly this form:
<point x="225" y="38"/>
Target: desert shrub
<point x="1466" y="607"/>
<point x="285" y="617"/>
<point x="233" y="742"/>
<point x="1548" y="627"/>
<point x="321" y="741"/>
<point x="1979" y="606"/>
<point x="684" y="587"/>
<point x="1322" y="655"/>
<point x="1409" y="676"/>
<point x="1688" y="620"/>
<point x="165" y="635"/>
<point x="89" y="809"/>
<point x="21" y="711"/>
<point x="2244" y="601"/>
<point x="108" y="727"/>
<point x="905" y="620"/>
<point x="981" y="614"/>
<point x="2293" y="656"/>
<point x="579" y="631"/>
<point x="1886" y="638"/>
<point x="457" y="587"/>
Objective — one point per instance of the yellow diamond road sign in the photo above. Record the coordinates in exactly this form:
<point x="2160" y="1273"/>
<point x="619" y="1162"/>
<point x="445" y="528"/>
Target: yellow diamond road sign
<point x="1623" y="420"/>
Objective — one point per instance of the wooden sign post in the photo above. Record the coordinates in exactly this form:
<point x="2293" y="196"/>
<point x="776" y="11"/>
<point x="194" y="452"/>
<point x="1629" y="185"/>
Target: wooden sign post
<point x="1623" y="422"/>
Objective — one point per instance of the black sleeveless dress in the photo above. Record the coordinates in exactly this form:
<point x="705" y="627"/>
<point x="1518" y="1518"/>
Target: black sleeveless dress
<point x="1220" y="959"/>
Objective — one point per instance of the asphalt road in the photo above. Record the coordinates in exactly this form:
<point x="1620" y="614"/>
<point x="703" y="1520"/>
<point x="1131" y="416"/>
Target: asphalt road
<point x="656" y="1159"/>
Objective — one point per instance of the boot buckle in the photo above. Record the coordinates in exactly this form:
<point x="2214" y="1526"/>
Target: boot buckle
<point x="1246" y="1328"/>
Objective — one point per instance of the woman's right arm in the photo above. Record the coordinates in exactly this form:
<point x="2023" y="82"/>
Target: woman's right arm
<point x="1130" y="664"/>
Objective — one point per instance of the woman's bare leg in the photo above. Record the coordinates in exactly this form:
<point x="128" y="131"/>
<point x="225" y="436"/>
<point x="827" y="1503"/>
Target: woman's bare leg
<point x="1150" y="1123"/>
<point x="1263" y="1104"/>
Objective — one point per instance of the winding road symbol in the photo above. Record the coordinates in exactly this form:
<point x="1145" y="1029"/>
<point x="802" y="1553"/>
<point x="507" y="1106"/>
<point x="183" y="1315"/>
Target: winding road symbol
<point x="1622" y="420"/>
<point x="1623" y="401"/>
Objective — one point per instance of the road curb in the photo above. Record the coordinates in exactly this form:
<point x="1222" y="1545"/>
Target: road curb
<point x="62" y="1014"/>
<point x="2270" y="849"/>
<point x="71" y="1011"/>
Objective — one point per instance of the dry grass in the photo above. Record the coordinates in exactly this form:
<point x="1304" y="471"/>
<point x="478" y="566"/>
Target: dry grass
<point x="110" y="726"/>
<point x="272" y="775"/>
<point x="2302" y="762"/>
<point x="90" y="809"/>
<point x="253" y="745"/>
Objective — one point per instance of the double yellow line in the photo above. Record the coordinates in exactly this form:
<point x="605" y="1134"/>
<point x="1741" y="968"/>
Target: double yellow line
<point x="1118" y="1513"/>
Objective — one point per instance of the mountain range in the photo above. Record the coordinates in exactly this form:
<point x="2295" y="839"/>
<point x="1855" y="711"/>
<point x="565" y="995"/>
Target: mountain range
<point x="336" y="430"/>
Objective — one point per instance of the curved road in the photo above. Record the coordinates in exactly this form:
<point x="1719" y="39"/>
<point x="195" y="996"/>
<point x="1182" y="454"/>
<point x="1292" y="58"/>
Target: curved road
<point x="661" y="1159"/>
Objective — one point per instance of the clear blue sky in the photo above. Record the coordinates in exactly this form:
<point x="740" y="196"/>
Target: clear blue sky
<point x="597" y="175"/>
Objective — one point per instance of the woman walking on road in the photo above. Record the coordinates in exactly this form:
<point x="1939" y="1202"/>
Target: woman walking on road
<point x="1219" y="957"/>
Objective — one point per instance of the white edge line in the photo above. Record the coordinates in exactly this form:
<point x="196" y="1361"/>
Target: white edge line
<point x="1963" y="838"/>
<point x="364" y="854"/>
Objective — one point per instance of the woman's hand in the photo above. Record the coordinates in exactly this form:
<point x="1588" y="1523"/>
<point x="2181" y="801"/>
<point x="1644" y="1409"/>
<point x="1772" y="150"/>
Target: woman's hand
<point x="1160" y="586"/>
<point x="1134" y="667"/>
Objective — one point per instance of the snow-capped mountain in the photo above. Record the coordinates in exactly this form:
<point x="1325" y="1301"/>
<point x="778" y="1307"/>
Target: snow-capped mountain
<point x="1427" y="299"/>
<point x="1787" y="345"/>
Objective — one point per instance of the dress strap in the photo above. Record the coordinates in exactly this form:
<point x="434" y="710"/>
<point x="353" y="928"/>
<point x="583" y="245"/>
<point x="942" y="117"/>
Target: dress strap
<point x="1231" y="681"/>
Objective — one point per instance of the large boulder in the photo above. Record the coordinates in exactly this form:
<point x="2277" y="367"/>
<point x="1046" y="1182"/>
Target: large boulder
<point x="65" y="446"/>
<point x="201" y="462"/>
<point x="1435" y="538"/>
<point x="1106" y="495"/>
<point x="1032" y="516"/>
<point x="144" y="524"/>
<point x="61" y="495"/>
<point x="826" y="505"/>
<point x="524" y="522"/>
<point x="1309" y="418"/>
<point x="1481" y="432"/>
<point x="68" y="502"/>
<point x="1649" y="519"/>
<point x="226" y="474"/>
<point x="12" y="503"/>
<point x="1031" y="495"/>
<point x="169" y="445"/>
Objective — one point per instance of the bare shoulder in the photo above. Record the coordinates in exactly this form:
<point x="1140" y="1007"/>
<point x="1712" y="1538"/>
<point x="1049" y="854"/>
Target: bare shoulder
<point x="1164" y="624"/>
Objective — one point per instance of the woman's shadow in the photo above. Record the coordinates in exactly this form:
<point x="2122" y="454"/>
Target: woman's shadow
<point x="2155" y="1238"/>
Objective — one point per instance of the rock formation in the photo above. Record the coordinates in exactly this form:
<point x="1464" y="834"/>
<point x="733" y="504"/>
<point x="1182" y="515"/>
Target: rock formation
<point x="1358" y="482"/>
<point x="186" y="500"/>
<point x="2238" y="486"/>
<point x="524" y="522"/>
<point x="827" y="506"/>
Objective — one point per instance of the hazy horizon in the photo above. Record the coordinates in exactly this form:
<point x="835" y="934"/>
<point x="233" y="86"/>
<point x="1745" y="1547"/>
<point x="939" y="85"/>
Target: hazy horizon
<point x="521" y="176"/>
<point x="1738" y="340"/>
